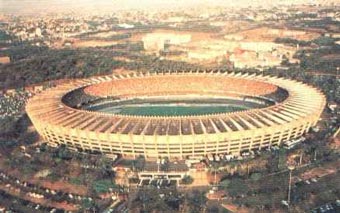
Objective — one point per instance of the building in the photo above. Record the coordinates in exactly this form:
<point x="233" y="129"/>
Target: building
<point x="156" y="41"/>
<point x="248" y="59"/>
<point x="288" y="110"/>
<point x="5" y="60"/>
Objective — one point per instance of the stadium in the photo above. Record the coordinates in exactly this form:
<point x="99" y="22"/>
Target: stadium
<point x="175" y="115"/>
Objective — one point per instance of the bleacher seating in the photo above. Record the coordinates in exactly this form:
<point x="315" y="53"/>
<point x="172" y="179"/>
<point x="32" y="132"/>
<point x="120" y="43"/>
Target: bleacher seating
<point x="178" y="85"/>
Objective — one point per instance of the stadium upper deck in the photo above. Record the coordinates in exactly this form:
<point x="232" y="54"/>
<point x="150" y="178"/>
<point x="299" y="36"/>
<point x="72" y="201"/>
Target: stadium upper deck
<point x="176" y="136"/>
<point x="179" y="85"/>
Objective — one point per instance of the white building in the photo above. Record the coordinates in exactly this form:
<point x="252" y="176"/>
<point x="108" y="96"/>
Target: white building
<point x="156" y="41"/>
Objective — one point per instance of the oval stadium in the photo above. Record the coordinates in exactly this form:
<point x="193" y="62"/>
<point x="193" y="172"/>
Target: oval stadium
<point x="175" y="115"/>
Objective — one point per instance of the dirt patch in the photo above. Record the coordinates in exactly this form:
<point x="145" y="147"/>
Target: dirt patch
<point x="331" y="57"/>
<point x="60" y="205"/>
<point x="93" y="43"/>
<point x="195" y="36"/>
<point x="200" y="178"/>
<point x="317" y="172"/>
<point x="234" y="208"/>
<point x="62" y="186"/>
<point x="104" y="34"/>
<point x="270" y="34"/>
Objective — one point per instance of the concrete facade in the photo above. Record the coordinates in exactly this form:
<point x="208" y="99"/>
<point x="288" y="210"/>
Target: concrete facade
<point x="180" y="137"/>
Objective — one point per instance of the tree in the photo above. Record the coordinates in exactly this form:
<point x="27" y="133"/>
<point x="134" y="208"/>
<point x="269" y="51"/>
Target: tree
<point x="63" y="153"/>
<point x="237" y="187"/>
<point x="103" y="186"/>
<point x="139" y="163"/>
<point x="255" y="176"/>
<point x="225" y="183"/>
<point x="213" y="209"/>
<point x="104" y="164"/>
<point x="7" y="125"/>
<point x="323" y="41"/>
<point x="87" y="204"/>
<point x="149" y="200"/>
<point x="187" y="179"/>
<point x="196" y="201"/>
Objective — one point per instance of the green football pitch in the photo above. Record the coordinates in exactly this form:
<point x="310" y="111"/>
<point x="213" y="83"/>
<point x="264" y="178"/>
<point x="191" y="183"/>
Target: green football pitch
<point x="171" y="110"/>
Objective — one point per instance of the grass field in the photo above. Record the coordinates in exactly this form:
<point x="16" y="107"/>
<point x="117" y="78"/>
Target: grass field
<point x="171" y="110"/>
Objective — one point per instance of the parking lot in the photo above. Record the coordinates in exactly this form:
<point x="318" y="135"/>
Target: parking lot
<point x="159" y="183"/>
<point x="332" y="207"/>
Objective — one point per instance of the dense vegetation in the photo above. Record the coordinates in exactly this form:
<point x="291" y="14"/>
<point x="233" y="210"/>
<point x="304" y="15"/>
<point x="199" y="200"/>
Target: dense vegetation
<point x="38" y="64"/>
<point x="32" y="64"/>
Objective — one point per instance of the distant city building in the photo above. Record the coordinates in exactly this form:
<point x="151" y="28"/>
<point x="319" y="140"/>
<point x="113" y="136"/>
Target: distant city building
<point x="5" y="60"/>
<point x="38" y="32"/>
<point x="2" y="209"/>
<point x="156" y="41"/>
<point x="126" y="26"/>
